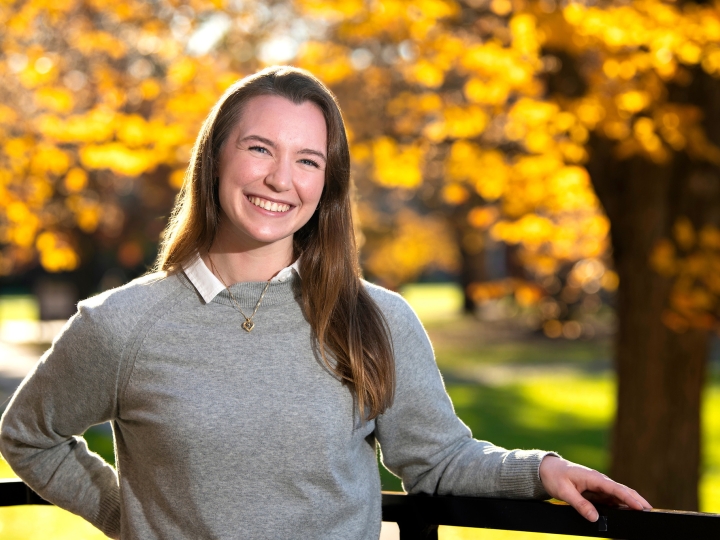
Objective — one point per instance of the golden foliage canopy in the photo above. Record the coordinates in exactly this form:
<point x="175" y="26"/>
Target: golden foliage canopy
<point x="450" y="107"/>
<point x="100" y="103"/>
<point x="469" y="86"/>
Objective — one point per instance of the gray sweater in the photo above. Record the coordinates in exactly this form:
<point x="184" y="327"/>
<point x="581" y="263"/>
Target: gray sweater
<point x="225" y="434"/>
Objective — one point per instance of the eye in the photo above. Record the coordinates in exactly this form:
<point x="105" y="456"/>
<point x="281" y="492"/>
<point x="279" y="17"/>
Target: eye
<point x="260" y="149"/>
<point x="310" y="162"/>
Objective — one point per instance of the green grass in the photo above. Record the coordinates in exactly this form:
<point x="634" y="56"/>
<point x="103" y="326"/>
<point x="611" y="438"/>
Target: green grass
<point x="434" y="301"/>
<point x="539" y="351"/>
<point x="99" y="440"/>
<point x="568" y="414"/>
<point x="710" y="479"/>
<point x="19" y="308"/>
<point x="466" y="342"/>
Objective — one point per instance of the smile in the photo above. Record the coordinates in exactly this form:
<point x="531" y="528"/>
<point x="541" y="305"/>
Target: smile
<point x="269" y="205"/>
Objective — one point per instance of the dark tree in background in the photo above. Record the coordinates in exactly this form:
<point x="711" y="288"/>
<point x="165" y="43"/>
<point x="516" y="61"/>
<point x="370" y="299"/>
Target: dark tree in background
<point x="660" y="360"/>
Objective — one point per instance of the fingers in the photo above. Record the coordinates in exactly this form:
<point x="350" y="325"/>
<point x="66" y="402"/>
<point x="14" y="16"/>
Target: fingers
<point x="605" y="491"/>
<point x="646" y="505"/>
<point x="576" y="484"/>
<point x="572" y="496"/>
<point x="600" y="498"/>
<point x="601" y="484"/>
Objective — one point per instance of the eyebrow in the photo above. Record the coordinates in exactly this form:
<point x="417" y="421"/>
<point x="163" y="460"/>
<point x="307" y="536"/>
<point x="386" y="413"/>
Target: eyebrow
<point x="272" y="145"/>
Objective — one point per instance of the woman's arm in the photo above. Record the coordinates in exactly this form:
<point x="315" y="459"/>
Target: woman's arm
<point x="424" y="442"/>
<point x="421" y="438"/>
<point x="72" y="387"/>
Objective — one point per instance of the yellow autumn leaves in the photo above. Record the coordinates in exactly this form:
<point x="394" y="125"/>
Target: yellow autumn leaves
<point x="641" y="47"/>
<point x="543" y="192"/>
<point x="95" y="96"/>
<point x="692" y="258"/>
<point x="476" y="119"/>
<point x="397" y="165"/>
<point x="483" y="171"/>
<point x="415" y="243"/>
<point x="452" y="109"/>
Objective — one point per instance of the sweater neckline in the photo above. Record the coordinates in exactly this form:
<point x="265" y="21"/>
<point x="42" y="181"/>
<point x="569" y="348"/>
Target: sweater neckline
<point x="248" y="293"/>
<point x="208" y="285"/>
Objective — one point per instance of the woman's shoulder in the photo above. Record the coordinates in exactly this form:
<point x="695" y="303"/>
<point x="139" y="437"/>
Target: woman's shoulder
<point x="106" y="322"/>
<point x="137" y="294"/>
<point x="411" y="343"/>
<point x="121" y="309"/>
<point x="393" y="306"/>
<point x="386" y="299"/>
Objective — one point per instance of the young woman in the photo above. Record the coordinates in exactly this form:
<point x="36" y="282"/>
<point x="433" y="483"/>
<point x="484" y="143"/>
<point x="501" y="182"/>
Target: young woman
<point x="249" y="380"/>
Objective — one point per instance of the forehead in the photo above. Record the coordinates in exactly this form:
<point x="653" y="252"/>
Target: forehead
<point x="276" y="117"/>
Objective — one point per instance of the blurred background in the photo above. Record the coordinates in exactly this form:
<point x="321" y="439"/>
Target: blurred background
<point x="539" y="179"/>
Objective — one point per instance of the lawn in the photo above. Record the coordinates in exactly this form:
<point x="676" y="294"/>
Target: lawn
<point x="532" y="393"/>
<point x="570" y="415"/>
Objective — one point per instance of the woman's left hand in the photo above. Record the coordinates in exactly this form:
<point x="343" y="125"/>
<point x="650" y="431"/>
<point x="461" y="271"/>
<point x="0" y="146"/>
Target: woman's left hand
<point x="578" y="485"/>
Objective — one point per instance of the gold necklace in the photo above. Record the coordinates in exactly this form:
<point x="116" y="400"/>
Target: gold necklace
<point x="248" y="325"/>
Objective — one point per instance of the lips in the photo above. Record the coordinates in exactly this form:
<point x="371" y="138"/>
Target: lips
<point x="269" y="205"/>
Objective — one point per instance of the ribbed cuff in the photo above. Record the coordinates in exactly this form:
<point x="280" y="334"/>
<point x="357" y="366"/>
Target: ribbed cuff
<point x="520" y="474"/>
<point x="108" y="518"/>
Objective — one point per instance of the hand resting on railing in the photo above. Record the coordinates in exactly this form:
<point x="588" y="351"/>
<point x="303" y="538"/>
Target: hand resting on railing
<point x="577" y="485"/>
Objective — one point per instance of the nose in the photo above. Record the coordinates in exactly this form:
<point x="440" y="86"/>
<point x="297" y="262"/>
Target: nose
<point x="280" y="177"/>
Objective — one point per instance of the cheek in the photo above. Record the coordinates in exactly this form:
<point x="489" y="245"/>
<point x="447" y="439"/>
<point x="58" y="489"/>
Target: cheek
<point x="239" y="169"/>
<point x="224" y="197"/>
<point x="312" y="191"/>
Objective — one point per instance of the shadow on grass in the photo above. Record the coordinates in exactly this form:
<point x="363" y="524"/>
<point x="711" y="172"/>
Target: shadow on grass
<point x="462" y="351"/>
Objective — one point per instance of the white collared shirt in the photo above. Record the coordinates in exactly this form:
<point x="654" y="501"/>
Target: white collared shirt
<point x="209" y="286"/>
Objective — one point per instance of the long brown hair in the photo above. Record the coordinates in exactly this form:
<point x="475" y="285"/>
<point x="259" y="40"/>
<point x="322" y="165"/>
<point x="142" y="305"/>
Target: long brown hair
<point x="350" y="331"/>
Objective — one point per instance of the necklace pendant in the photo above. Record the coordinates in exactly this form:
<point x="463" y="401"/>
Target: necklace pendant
<point x="248" y="325"/>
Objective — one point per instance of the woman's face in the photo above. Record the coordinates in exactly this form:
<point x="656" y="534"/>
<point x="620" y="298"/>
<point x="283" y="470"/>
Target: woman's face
<point x="272" y="172"/>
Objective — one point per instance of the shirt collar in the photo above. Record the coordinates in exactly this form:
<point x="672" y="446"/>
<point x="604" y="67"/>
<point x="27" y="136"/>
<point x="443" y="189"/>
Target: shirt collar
<point x="209" y="286"/>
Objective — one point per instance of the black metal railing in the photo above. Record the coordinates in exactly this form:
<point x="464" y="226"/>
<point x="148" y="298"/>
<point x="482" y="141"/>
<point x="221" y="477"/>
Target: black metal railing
<point x="15" y="492"/>
<point x="420" y="516"/>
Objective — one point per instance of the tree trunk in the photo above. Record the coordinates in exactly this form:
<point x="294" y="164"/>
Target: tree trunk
<point x="472" y="270"/>
<point x="656" y="436"/>
<point x="472" y="257"/>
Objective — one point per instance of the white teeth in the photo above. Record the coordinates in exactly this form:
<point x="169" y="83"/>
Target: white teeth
<point x="267" y="205"/>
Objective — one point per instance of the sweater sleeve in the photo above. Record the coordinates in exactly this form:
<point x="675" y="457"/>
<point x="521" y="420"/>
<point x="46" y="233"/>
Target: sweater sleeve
<point x="424" y="442"/>
<point x="71" y="388"/>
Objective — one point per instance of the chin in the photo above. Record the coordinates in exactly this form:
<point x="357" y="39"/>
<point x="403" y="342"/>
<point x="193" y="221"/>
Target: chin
<point x="270" y="238"/>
